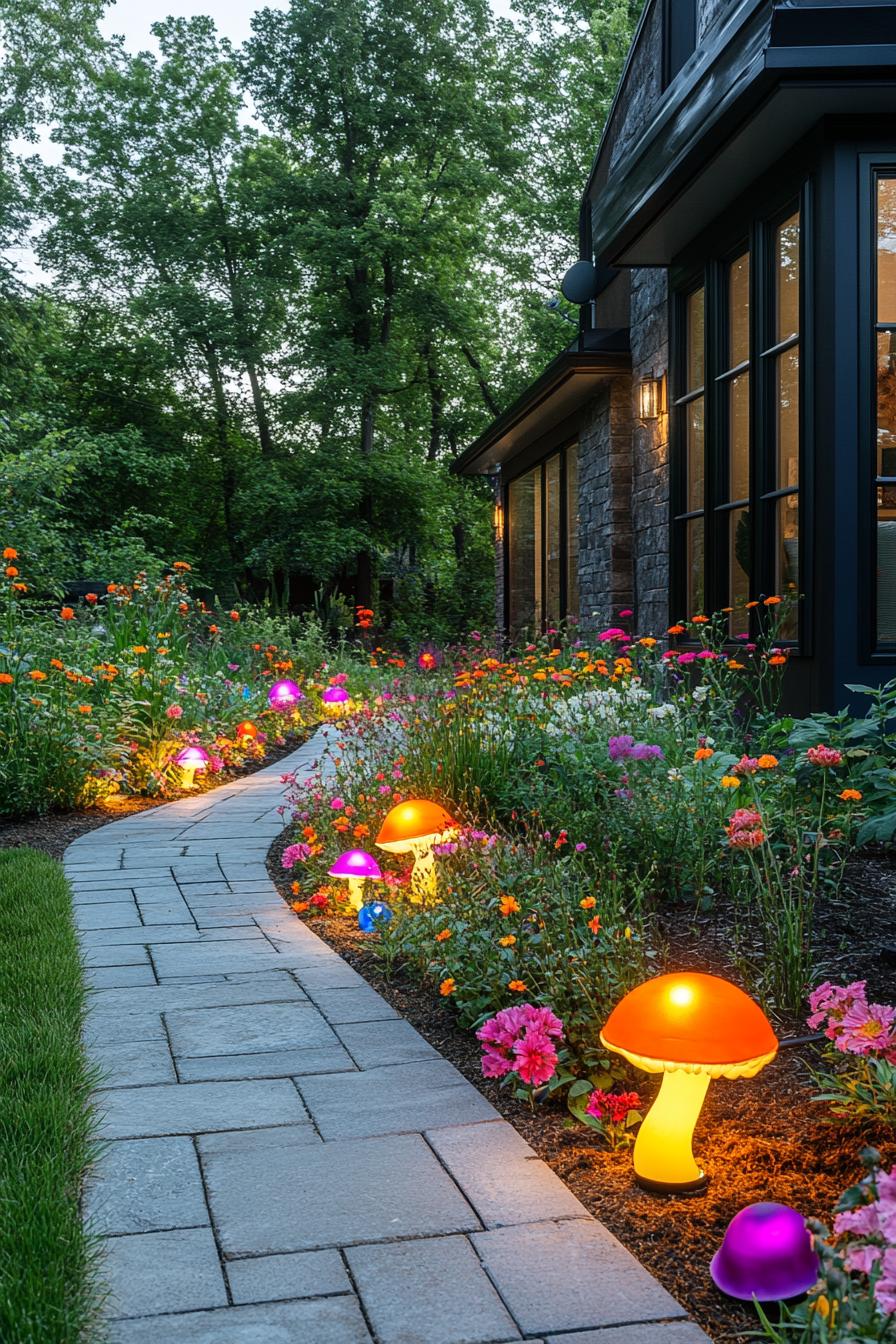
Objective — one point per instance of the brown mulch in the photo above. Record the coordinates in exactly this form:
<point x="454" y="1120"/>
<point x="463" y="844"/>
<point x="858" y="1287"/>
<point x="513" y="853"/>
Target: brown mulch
<point x="55" y="831"/>
<point x="762" y="1139"/>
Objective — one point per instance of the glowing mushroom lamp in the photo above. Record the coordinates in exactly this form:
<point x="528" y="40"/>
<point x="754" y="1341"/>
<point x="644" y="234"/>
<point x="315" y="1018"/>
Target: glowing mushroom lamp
<point x="690" y="1028"/>
<point x="376" y="912"/>
<point x="335" y="699"/>
<point x="414" y="827"/>
<point x="246" y="731"/>
<point x="284" y="696"/>
<point x="766" y="1254"/>
<point x="357" y="867"/>
<point x="191" y="759"/>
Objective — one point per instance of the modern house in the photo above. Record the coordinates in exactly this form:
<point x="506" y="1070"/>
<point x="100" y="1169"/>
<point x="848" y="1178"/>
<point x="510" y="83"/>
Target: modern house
<point x="725" y="424"/>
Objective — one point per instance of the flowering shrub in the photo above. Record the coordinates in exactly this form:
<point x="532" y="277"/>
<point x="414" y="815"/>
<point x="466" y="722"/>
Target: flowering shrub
<point x="522" y="1044"/>
<point x="614" y="1115"/>
<point x="861" y="1079"/>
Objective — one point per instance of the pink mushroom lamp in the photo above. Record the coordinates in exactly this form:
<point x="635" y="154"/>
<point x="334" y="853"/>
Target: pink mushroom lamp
<point x="357" y="867"/>
<point x="191" y="760"/>
<point x="766" y="1254"/>
<point x="335" y="699"/>
<point x="284" y="696"/>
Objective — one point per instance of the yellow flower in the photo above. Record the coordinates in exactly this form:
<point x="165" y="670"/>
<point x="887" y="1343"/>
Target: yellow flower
<point x="508" y="941"/>
<point x="627" y="932"/>
<point x="588" y="903"/>
<point x="730" y="782"/>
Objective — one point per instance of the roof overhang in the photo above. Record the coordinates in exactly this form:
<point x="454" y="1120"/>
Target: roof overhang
<point x="767" y="77"/>
<point x="567" y="384"/>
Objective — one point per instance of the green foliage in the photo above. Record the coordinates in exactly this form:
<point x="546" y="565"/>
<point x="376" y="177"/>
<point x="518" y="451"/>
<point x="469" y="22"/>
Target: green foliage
<point x="47" y="1259"/>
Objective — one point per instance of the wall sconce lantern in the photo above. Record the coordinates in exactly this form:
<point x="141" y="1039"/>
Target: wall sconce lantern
<point x="499" y="520"/>
<point x="652" y="397"/>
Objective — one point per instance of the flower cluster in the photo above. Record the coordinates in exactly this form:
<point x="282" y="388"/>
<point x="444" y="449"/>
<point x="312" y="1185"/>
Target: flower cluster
<point x="854" y="1025"/>
<point x="870" y="1230"/>
<point x="744" y="829"/>
<point x="625" y="747"/>
<point x="521" y="1040"/>
<point x="612" y="1106"/>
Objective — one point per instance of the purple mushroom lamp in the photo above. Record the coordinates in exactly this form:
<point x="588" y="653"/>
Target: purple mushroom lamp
<point x="766" y="1254"/>
<point x="357" y="867"/>
<point x="335" y="699"/>
<point x="191" y="759"/>
<point x="284" y="696"/>
<point x="369" y="916"/>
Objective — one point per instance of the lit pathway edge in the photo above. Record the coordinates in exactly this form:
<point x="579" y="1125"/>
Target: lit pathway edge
<point x="285" y="1157"/>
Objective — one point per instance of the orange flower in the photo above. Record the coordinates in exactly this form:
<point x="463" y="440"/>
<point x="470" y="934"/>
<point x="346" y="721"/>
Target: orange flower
<point x="588" y="903"/>
<point x="6" y="678"/>
<point x="518" y="986"/>
<point x="213" y="630"/>
<point x="730" y="782"/>
<point x="85" y="709"/>
<point x="300" y="906"/>
<point x="767" y="762"/>
<point x="91" y="598"/>
<point x="443" y="936"/>
<point x="748" y="606"/>
<point x="700" y="620"/>
<point x="703" y="753"/>
<point x="771" y="601"/>
<point x="295" y="888"/>
<point x="507" y="941"/>
<point x="234" y="615"/>
<point x="20" y="587"/>
<point x="58" y="664"/>
<point x="594" y="925"/>
<point x="139" y="648"/>
<point x="735" y="665"/>
<point x="37" y="676"/>
<point x="67" y="614"/>
<point x="447" y="987"/>
<point x="777" y="660"/>
<point x="850" y="796"/>
<point x="675" y="630"/>
<point x="10" y="553"/>
<point x="508" y="906"/>
<point x="182" y="566"/>
<point x="647" y="642"/>
<point x="12" y="572"/>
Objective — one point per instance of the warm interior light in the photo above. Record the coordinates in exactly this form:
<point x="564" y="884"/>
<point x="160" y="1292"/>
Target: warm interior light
<point x="681" y="995"/>
<point x="499" y="520"/>
<point x="651" y="397"/>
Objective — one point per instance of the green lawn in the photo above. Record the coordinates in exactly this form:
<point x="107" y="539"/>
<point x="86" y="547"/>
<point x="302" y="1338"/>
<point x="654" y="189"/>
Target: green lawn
<point x="46" y="1261"/>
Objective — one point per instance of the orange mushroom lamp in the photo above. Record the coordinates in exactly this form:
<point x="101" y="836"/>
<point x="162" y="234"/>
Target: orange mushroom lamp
<point x="413" y="827"/>
<point x="690" y="1028"/>
<point x="246" y="731"/>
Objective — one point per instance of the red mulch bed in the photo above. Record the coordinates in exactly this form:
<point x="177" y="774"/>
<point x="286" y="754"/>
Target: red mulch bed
<point x="54" y="832"/>
<point x="757" y="1140"/>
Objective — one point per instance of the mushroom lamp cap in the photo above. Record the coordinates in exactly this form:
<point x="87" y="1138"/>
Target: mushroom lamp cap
<point x="246" y="729"/>
<point x="766" y="1253"/>
<point x="370" y="915"/>
<point x="691" y="1021"/>
<point x="416" y="819"/>
<point x="356" y="863"/>
<point x="335" y="695"/>
<point x="192" y="758"/>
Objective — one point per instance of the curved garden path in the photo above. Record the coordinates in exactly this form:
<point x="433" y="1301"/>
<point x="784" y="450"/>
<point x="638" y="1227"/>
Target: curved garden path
<point x="287" y="1159"/>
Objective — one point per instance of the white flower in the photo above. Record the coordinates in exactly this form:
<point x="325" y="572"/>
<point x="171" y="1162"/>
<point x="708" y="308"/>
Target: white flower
<point x="674" y="776"/>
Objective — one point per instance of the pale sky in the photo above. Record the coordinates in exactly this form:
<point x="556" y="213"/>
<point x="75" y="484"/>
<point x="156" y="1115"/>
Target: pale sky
<point x="132" y="18"/>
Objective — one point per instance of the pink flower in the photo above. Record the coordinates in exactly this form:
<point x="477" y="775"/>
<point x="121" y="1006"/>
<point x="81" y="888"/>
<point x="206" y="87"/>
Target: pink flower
<point x="173" y="712"/>
<point x="613" y="632"/>
<point x="294" y="854"/>
<point x="337" y="803"/>
<point x="542" y="1020"/>
<point x="495" y="1064"/>
<point x="865" y="1027"/>
<point x="832" y="1002"/>
<point x="626" y="612"/>
<point x="824" y="756"/>
<point x="684" y="658"/>
<point x="747" y="765"/>
<point x="612" y="1106"/>
<point x="340" y="679"/>
<point x="535" y="1058"/>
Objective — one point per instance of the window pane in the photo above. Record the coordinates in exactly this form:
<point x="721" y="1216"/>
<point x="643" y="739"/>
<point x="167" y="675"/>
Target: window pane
<point x="787" y="278"/>
<point x="552" y="534"/>
<point x="695" y="328"/>
<point x="695" y="566"/>
<point x="886" y="403"/>
<point x="886" y="569"/>
<point x="572" y="531"/>
<point x="886" y="249"/>
<point x="739" y="569"/>
<point x="739" y="311"/>
<point x="787" y="430"/>
<point x="787" y="573"/>
<point x="695" y="450"/>
<point x="739" y="438"/>
<point x="524" y="548"/>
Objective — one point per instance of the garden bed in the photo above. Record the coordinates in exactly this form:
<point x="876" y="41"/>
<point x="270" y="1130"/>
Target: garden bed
<point x="757" y="1140"/>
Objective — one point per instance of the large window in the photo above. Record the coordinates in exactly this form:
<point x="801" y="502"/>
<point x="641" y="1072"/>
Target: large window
<point x="737" y="427"/>
<point x="885" y="419"/>
<point x="543" y="543"/>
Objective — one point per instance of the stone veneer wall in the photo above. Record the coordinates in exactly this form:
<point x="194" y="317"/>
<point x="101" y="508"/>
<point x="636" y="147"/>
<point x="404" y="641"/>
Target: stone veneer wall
<point x="650" y="454"/>
<point x="605" y="520"/>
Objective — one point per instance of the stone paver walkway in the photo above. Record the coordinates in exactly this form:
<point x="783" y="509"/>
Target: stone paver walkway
<point x="288" y="1161"/>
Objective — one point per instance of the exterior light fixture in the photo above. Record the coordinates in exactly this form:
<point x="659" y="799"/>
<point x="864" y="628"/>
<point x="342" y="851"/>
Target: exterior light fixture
<point x="690" y="1028"/>
<point x="766" y="1254"/>
<point x="369" y="916"/>
<point x="284" y="696"/>
<point x="357" y="867"/>
<point x="652" y="397"/>
<point x="191" y="760"/>
<point x="498" y="519"/>
<point x="246" y="731"/>
<point x="335" y="699"/>
<point x="413" y="828"/>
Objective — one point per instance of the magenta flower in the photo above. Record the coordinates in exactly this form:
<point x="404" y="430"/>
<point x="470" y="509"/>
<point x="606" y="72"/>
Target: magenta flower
<point x="535" y="1058"/>
<point x="174" y="712"/>
<point x="294" y="854"/>
<point x="684" y="658"/>
<point x="865" y="1027"/>
<point x="337" y="803"/>
<point x="495" y="1064"/>
<point x="824" y="757"/>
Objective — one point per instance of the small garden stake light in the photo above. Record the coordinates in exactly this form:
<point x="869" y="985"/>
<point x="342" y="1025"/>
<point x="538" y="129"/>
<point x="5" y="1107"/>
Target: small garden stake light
<point x="284" y="696"/>
<point x="766" y="1254"/>
<point x="413" y="827"/>
<point x="357" y="867"/>
<point x="369" y="916"/>
<point x="690" y="1028"/>
<point x="335" y="699"/>
<point x="191" y="760"/>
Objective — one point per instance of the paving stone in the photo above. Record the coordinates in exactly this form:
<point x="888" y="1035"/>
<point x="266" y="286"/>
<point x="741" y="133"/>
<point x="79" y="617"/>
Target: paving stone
<point x="277" y="1278"/>
<point x="501" y="1176"/>
<point x="117" y="1028"/>
<point x="134" y="1063"/>
<point x="269" y="1199"/>
<point x="570" y="1276"/>
<point x="145" y="1185"/>
<point x="265" y="987"/>
<point x="353" y="1005"/>
<point x="244" y="1030"/>
<point x="114" y="915"/>
<point x="119" y="977"/>
<point x="176" y="933"/>
<point x="238" y="955"/>
<point x="266" y="1064"/>
<point x="231" y="1142"/>
<point x="328" y="1320"/>
<point x="129" y="954"/>
<point x="402" y="1098"/>
<point x="329" y="973"/>
<point x="165" y="912"/>
<point x="154" y="1272"/>
<point x="655" y="1332"/>
<point x="373" y="1044"/>
<point x="434" y="1290"/>
<point x="102" y="896"/>
<point x="194" y="1108"/>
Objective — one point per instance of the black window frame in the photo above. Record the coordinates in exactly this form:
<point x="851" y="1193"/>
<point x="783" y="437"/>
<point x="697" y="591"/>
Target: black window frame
<point x="523" y="468"/>
<point x="707" y="267"/>
<point x="679" y="19"/>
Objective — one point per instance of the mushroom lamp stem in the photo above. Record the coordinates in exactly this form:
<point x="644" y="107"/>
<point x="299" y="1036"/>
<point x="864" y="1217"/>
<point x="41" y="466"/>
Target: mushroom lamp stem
<point x="188" y="777"/>
<point x="423" y="874"/>
<point x="356" y="892"/>
<point x="662" y="1157"/>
